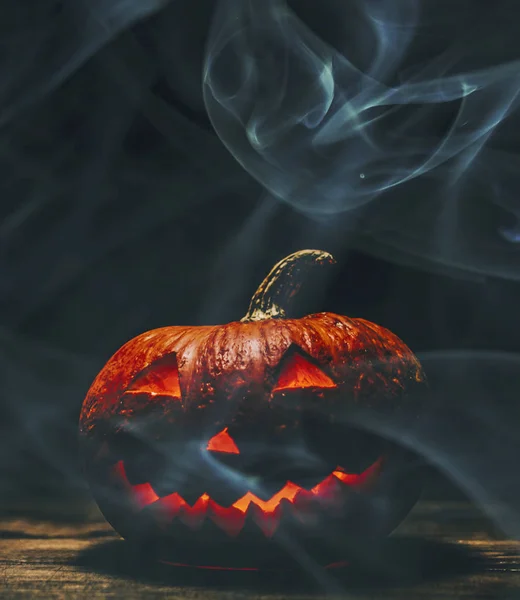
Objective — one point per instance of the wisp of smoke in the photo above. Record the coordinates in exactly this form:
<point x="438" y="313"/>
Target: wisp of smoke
<point x="340" y="110"/>
<point x="323" y="134"/>
<point x="50" y="40"/>
<point x="330" y="128"/>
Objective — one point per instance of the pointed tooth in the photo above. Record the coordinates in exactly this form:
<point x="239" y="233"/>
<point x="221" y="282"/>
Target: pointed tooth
<point x="304" y="500"/>
<point x="225" y="495"/>
<point x="328" y="491"/>
<point x="168" y="508"/>
<point x="191" y="495"/>
<point x="143" y="494"/>
<point x="304" y="508"/>
<point x="193" y="516"/>
<point x="229" y="519"/>
<point x="329" y="495"/>
<point x="267" y="521"/>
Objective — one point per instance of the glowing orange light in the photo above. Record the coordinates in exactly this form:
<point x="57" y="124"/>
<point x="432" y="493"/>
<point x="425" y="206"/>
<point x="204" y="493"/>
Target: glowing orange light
<point x="161" y="378"/>
<point x="223" y="442"/>
<point x="298" y="372"/>
<point x="354" y="478"/>
<point x="265" y="513"/>
<point x="288" y="492"/>
<point x="145" y="494"/>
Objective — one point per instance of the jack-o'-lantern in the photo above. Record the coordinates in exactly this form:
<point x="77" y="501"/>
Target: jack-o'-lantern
<point x="231" y="445"/>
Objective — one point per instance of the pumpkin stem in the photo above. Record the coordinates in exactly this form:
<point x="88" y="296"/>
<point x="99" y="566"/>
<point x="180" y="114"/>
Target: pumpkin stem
<point x="283" y="282"/>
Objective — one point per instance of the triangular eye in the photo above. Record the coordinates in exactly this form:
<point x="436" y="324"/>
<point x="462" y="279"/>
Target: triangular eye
<point x="161" y="378"/>
<point x="223" y="442"/>
<point x="297" y="372"/>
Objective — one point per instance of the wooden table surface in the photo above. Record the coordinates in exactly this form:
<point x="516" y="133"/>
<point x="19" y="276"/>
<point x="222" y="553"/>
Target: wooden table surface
<point x="446" y="550"/>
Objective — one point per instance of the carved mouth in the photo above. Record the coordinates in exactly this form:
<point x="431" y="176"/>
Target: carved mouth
<point x="304" y="504"/>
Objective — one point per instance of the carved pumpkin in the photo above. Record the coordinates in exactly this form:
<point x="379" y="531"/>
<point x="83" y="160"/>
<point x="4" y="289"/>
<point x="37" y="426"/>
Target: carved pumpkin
<point x="230" y="445"/>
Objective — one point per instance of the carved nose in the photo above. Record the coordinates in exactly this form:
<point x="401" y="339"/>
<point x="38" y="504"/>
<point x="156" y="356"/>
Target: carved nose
<point x="222" y="443"/>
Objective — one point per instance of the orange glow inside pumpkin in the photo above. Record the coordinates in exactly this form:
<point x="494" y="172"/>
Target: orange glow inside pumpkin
<point x="265" y="513"/>
<point x="298" y="372"/>
<point x="223" y="442"/>
<point x="160" y="378"/>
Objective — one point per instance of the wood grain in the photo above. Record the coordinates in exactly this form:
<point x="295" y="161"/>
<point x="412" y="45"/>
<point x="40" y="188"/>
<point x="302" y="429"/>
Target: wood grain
<point x="441" y="551"/>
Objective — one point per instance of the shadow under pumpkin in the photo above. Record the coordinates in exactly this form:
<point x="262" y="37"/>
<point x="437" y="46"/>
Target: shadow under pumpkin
<point x="399" y="561"/>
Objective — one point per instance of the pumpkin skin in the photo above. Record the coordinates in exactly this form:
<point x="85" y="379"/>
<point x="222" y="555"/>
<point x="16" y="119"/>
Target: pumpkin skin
<point x="229" y="445"/>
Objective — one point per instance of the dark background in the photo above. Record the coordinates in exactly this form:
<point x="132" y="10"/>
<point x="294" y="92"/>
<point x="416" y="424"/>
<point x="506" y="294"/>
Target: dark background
<point x="124" y="207"/>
